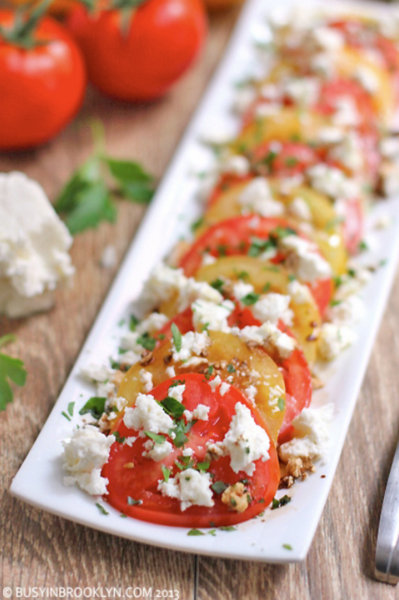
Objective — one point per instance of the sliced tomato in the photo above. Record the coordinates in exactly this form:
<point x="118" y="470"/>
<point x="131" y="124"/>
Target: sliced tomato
<point x="235" y="236"/>
<point x="353" y="224"/>
<point x="226" y="182"/>
<point x="335" y="89"/>
<point x="133" y="478"/>
<point x="295" y="368"/>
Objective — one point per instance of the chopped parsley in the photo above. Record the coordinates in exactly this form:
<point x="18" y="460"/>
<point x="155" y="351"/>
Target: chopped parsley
<point x="281" y="403"/>
<point x="218" y="284"/>
<point x="363" y="246"/>
<point x="195" y="532"/>
<point x="219" y="486"/>
<point x="287" y="546"/>
<point x="266" y="287"/>
<point x="277" y="502"/>
<point x="197" y="224"/>
<point x="95" y="406"/>
<point x="250" y="299"/>
<point x="132" y="502"/>
<point x="147" y="341"/>
<point x="203" y="466"/>
<point x="166" y="473"/>
<point x="71" y="406"/>
<point x="228" y="528"/>
<point x="177" y="338"/>
<point x="101" y="509"/>
<point x="155" y="437"/>
<point x="11" y="369"/>
<point x="173" y="407"/>
<point x="118" y="437"/>
<point x="133" y="322"/>
<point x="230" y="368"/>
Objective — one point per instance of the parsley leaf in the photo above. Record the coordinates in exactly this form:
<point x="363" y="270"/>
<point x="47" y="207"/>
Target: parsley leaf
<point x="95" y="406"/>
<point x="132" y="502"/>
<point x="250" y="299"/>
<point x="176" y="337"/>
<point x="195" y="532"/>
<point x="87" y="199"/>
<point x="135" y="184"/>
<point x="11" y="369"/>
<point x="101" y="509"/>
<point x="219" y="487"/>
<point x="173" y="407"/>
<point x="166" y="473"/>
<point x="155" y="437"/>
<point x="147" y="341"/>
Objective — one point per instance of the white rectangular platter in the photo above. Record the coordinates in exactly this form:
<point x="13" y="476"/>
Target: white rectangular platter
<point x="279" y="536"/>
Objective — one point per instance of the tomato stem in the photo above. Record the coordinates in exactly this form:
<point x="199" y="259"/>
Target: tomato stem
<point x="27" y="18"/>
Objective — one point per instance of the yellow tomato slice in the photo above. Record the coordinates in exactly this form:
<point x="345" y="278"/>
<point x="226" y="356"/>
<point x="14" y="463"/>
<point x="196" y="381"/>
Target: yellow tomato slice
<point x="253" y="367"/>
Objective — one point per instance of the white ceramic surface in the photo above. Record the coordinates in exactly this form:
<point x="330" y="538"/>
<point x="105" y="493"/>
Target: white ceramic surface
<point x="39" y="480"/>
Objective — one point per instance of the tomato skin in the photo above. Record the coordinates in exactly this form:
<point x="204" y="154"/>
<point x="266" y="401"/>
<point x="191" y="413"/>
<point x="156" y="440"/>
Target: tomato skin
<point x="140" y="482"/>
<point x="162" y="40"/>
<point x="353" y="224"/>
<point x="41" y="89"/>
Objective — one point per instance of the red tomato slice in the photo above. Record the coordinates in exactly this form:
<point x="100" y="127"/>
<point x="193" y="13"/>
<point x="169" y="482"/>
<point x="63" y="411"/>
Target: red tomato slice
<point x="140" y="482"/>
<point x="353" y="224"/>
<point x="285" y="159"/>
<point x="333" y="90"/>
<point x="295" y="368"/>
<point x="296" y="373"/>
<point x="234" y="237"/>
<point x="226" y="182"/>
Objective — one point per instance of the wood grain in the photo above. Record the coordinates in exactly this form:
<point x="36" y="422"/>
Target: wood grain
<point x="40" y="549"/>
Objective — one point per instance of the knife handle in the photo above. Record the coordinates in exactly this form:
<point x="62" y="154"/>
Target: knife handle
<point x="387" y="550"/>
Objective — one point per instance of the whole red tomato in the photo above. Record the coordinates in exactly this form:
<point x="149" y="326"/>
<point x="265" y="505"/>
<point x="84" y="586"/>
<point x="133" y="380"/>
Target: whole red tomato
<point x="137" y="54"/>
<point x="42" y="82"/>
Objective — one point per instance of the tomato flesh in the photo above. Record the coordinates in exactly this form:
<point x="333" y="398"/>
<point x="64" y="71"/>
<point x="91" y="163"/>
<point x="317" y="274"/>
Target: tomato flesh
<point x="140" y="482"/>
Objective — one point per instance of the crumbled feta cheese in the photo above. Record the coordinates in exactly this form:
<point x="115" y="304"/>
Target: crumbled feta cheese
<point x="200" y="412"/>
<point x="245" y="441"/>
<point x="348" y="311"/>
<point x="389" y="147"/>
<point x="273" y="307"/>
<point x="242" y="289"/>
<point x="191" y="487"/>
<point x="334" y="339"/>
<point x="157" y="451"/>
<point x="304" y="91"/>
<point x="290" y="183"/>
<point x="323" y="65"/>
<point x="268" y="109"/>
<point x="352" y="285"/>
<point x="224" y="388"/>
<point x="257" y="197"/>
<point x="211" y="316"/>
<point x="269" y="336"/>
<point x="129" y="441"/>
<point x="146" y="378"/>
<point x="390" y="180"/>
<point x="192" y="342"/>
<point x="177" y="391"/>
<point x="187" y="452"/>
<point x="299" y="209"/>
<point x="346" y="112"/>
<point x="235" y="164"/>
<point x="170" y="371"/>
<point x="304" y="259"/>
<point x="327" y="38"/>
<point x="349" y="152"/>
<point x="34" y="246"/>
<point x="85" y="453"/>
<point x="148" y="415"/>
<point x="250" y="393"/>
<point x="367" y="78"/>
<point x="207" y="259"/>
<point x="165" y="282"/>
<point x="243" y="99"/>
<point x="332" y="181"/>
<point x="330" y="135"/>
<point x="299" y="293"/>
<point x="312" y="434"/>
<point x="96" y="372"/>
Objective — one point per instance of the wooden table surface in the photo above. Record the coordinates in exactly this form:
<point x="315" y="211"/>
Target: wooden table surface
<point x="38" y="549"/>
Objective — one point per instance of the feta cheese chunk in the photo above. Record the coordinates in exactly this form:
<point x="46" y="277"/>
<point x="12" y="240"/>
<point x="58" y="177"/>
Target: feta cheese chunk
<point x="312" y="434"/>
<point x="191" y="487"/>
<point x="157" y="451"/>
<point x="272" y="307"/>
<point x="257" y="197"/>
<point x="147" y="415"/>
<point x="211" y="316"/>
<point x="298" y="208"/>
<point x="334" y="338"/>
<point x="245" y="441"/>
<point x="34" y="246"/>
<point x="192" y="342"/>
<point x="176" y="392"/>
<point x="165" y="282"/>
<point x="304" y="259"/>
<point x="269" y="336"/>
<point x="200" y="412"/>
<point x="85" y="453"/>
<point x="332" y="182"/>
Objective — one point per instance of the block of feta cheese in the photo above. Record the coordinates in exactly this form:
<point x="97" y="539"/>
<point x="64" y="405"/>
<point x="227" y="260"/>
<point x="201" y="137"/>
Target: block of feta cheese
<point x="34" y="246"/>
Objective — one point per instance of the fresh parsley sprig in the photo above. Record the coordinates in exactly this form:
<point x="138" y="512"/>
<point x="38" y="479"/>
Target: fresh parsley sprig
<point x="88" y="198"/>
<point x="11" y="369"/>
